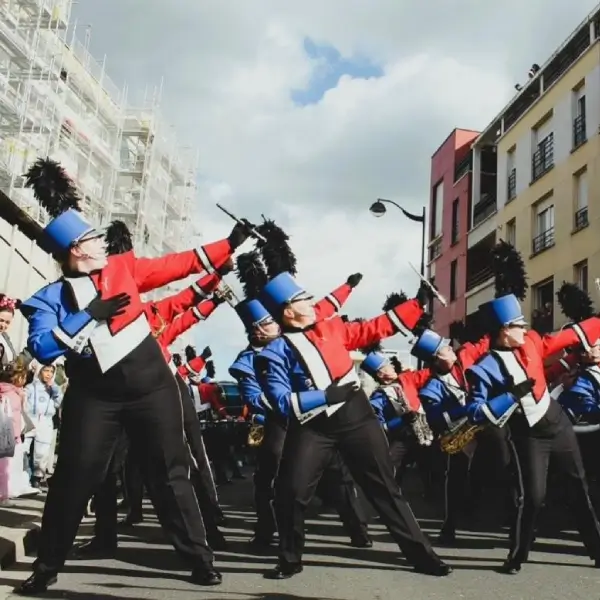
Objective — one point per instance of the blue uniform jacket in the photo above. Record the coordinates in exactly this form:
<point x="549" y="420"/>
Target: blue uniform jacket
<point x="286" y="383"/>
<point x="489" y="399"/>
<point x="583" y="397"/>
<point x="441" y="404"/>
<point x="60" y="330"/>
<point x="242" y="370"/>
<point x="387" y="416"/>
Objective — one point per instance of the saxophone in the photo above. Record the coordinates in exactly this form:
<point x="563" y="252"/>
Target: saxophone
<point x="458" y="438"/>
<point x="418" y="420"/>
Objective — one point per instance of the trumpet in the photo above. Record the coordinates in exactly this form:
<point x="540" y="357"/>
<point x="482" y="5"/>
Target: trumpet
<point x="256" y="435"/>
<point x="226" y="293"/>
<point x="456" y="440"/>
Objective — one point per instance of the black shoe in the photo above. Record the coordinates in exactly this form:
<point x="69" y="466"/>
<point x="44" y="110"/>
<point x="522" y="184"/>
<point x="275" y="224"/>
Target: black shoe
<point x="435" y="568"/>
<point x="206" y="576"/>
<point x="510" y="567"/>
<point x="36" y="583"/>
<point x="94" y="549"/>
<point x="361" y="542"/>
<point x="284" y="571"/>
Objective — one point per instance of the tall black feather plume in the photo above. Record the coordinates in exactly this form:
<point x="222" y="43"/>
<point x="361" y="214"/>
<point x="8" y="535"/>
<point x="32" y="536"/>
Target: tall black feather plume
<point x="210" y="369"/>
<point x="374" y="347"/>
<point x="190" y="353"/>
<point x="177" y="359"/>
<point x="118" y="238"/>
<point x="574" y="303"/>
<point x="398" y="367"/>
<point x="52" y="187"/>
<point x="509" y="271"/>
<point x="394" y="299"/>
<point x="276" y="252"/>
<point x="457" y="332"/>
<point x="251" y="274"/>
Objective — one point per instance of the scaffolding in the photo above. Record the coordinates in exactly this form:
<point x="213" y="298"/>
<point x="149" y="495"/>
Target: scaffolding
<point x="57" y="101"/>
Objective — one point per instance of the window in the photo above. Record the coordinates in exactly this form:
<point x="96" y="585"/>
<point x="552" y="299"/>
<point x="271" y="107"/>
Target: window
<point x="542" y="316"/>
<point x="544" y="228"/>
<point x="511" y="232"/>
<point x="511" y="187"/>
<point x="543" y="156"/>
<point x="581" y="275"/>
<point x="455" y="221"/>
<point x="581" y="200"/>
<point x="438" y="207"/>
<point x="579" y="135"/>
<point x="453" y="276"/>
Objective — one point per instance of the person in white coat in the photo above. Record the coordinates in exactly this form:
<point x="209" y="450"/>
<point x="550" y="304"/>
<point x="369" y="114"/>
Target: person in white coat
<point x="43" y="402"/>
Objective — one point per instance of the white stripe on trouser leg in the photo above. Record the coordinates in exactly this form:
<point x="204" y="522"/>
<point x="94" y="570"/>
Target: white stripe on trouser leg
<point x="446" y="479"/>
<point x="521" y="491"/>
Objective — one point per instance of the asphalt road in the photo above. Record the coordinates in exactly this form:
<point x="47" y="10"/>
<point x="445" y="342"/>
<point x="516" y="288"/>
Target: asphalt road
<point x="146" y="568"/>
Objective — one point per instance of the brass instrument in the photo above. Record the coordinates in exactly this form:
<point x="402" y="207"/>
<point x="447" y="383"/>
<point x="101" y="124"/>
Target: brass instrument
<point x="418" y="422"/>
<point x="456" y="440"/>
<point x="226" y="293"/>
<point x="256" y="435"/>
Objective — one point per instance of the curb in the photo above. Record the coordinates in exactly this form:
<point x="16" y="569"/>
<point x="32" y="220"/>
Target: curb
<point x="17" y="542"/>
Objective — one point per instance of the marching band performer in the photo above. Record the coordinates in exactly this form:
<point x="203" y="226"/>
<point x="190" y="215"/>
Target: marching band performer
<point x="397" y="406"/>
<point x="508" y="385"/>
<point x="261" y="329"/>
<point x="307" y="375"/>
<point x="117" y="375"/>
<point x="444" y="399"/>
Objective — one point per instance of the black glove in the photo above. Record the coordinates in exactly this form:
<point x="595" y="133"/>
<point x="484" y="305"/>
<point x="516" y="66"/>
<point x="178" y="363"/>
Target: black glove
<point x="354" y="279"/>
<point x="240" y="233"/>
<point x="336" y="394"/>
<point x="423" y="294"/>
<point x="104" y="309"/>
<point x="520" y="390"/>
<point x="206" y="353"/>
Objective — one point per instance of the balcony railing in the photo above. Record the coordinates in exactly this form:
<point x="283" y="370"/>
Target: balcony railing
<point x="543" y="158"/>
<point x="581" y="218"/>
<point x="484" y="208"/>
<point x="579" y="136"/>
<point x="463" y="167"/>
<point x="543" y="241"/>
<point x="511" y="185"/>
<point x="435" y="249"/>
<point x="475" y="279"/>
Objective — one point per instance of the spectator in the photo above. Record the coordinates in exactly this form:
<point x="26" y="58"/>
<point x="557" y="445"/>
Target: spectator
<point x="7" y="314"/>
<point x="43" y="402"/>
<point x="15" y="480"/>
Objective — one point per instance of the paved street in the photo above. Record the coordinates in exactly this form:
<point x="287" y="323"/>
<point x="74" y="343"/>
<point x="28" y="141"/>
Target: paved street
<point x="147" y="568"/>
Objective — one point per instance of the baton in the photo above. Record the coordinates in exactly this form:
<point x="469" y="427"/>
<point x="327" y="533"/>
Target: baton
<point x="433" y="289"/>
<point x="252" y="230"/>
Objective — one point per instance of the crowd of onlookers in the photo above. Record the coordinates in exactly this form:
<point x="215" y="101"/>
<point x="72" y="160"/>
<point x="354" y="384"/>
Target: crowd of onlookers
<point x="30" y="400"/>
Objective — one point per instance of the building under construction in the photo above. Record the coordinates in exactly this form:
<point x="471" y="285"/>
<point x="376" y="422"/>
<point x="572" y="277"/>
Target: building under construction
<point x="57" y="101"/>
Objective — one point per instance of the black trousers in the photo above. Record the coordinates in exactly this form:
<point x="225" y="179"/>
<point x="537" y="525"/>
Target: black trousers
<point x="493" y="444"/>
<point x="336" y="487"/>
<point x="552" y="438"/>
<point x="355" y="432"/>
<point x="404" y="448"/>
<point x="138" y="395"/>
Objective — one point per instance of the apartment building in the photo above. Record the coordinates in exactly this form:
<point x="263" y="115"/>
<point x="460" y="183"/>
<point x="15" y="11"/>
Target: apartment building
<point x="57" y="101"/>
<point x="547" y="149"/>
<point x="450" y="220"/>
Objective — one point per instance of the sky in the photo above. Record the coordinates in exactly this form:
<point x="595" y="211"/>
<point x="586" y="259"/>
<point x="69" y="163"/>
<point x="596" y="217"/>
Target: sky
<point x="308" y="111"/>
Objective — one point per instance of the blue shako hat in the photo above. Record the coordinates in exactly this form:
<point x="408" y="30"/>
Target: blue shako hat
<point x="55" y="191"/>
<point x="428" y="344"/>
<point x="281" y="291"/>
<point x="502" y="311"/>
<point x="373" y="362"/>
<point x="252" y="313"/>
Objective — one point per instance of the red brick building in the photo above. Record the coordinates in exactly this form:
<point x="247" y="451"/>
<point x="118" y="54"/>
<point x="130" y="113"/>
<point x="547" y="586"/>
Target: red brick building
<point x="449" y="222"/>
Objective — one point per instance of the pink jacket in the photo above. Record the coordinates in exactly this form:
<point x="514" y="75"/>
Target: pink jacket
<point x="16" y="396"/>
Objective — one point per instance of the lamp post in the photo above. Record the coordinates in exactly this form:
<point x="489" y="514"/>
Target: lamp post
<point x="378" y="209"/>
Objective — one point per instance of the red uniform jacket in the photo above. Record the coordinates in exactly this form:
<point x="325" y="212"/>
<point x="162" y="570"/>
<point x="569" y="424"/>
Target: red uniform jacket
<point x="192" y="368"/>
<point x="411" y="382"/>
<point x="210" y="393"/>
<point x="333" y="302"/>
<point x="126" y="273"/>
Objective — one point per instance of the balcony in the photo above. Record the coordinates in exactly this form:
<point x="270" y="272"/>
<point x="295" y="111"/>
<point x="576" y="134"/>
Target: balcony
<point x="476" y="279"/>
<point x="485" y="208"/>
<point x="581" y="218"/>
<point x="543" y="158"/>
<point x="579" y="137"/>
<point x="511" y="186"/>
<point x="543" y="241"/>
<point x="435" y="249"/>
<point x="463" y="167"/>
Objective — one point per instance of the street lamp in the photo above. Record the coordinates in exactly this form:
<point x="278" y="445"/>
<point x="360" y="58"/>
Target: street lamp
<point x="378" y="209"/>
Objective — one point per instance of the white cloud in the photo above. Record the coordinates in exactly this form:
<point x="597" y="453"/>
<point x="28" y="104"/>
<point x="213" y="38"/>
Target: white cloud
<point x="229" y="71"/>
